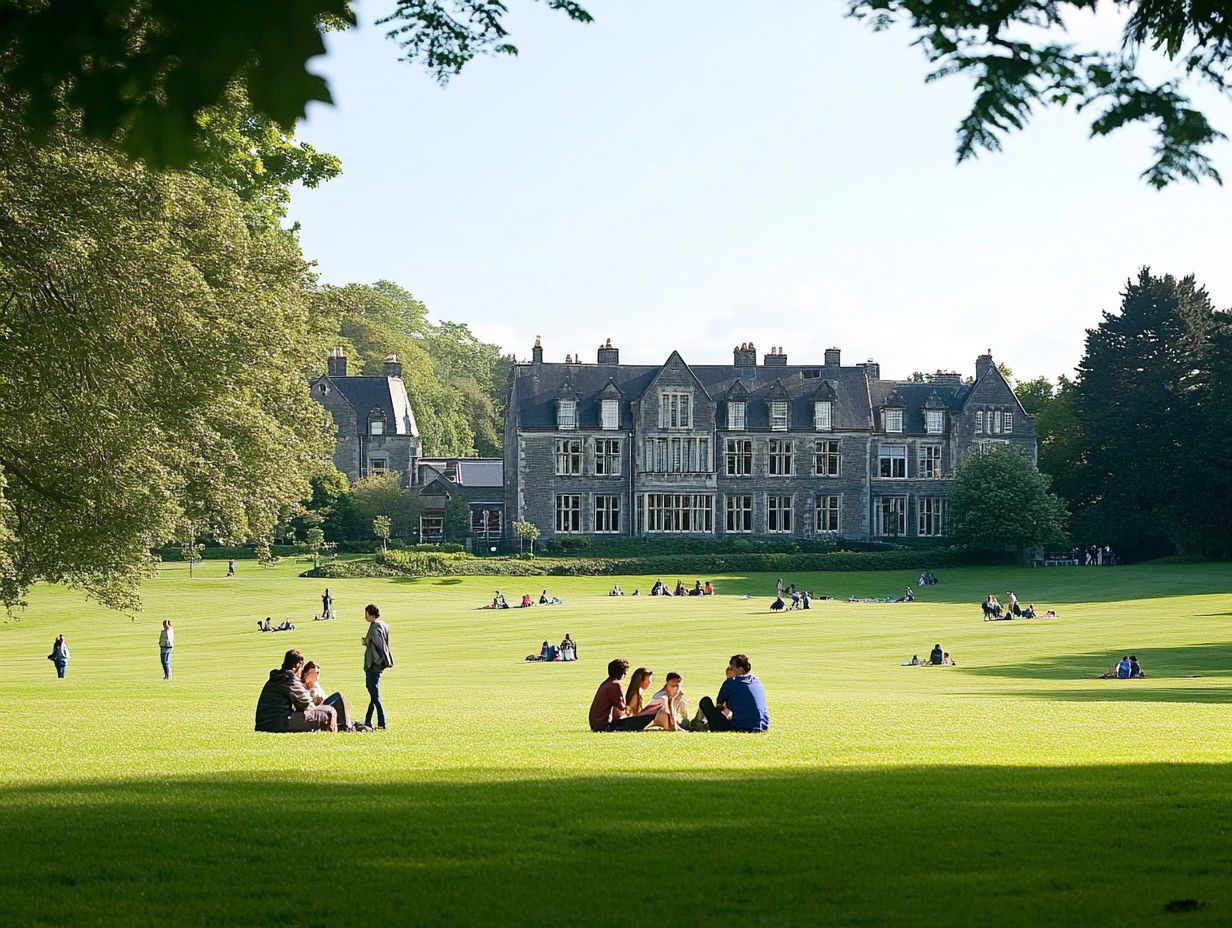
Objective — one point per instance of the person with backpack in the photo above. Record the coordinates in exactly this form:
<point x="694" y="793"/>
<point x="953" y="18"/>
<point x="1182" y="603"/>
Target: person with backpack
<point x="1124" y="669"/>
<point x="59" y="655"/>
<point x="377" y="659"/>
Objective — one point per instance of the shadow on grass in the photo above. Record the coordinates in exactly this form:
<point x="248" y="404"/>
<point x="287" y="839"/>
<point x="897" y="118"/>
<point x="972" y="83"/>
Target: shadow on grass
<point x="1199" y="660"/>
<point x="895" y="846"/>
<point x="1133" y="691"/>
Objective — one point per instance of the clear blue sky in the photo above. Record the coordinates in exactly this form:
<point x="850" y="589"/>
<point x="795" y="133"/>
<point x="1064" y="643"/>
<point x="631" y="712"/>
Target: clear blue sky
<point x="693" y="174"/>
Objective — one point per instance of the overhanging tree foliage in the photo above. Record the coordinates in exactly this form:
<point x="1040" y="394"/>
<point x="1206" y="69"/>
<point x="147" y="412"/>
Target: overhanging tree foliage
<point x="999" y="501"/>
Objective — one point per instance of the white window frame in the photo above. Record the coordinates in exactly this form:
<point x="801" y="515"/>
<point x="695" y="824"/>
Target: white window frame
<point x="930" y="516"/>
<point x="828" y="514"/>
<point x="823" y="415"/>
<point x="607" y="457"/>
<point x="779" y="416"/>
<point x="1008" y="423"/>
<point x="736" y="415"/>
<point x="377" y="466"/>
<point x="678" y="513"/>
<point x="934" y="421"/>
<point x="778" y="514"/>
<point x="607" y="514"/>
<point x="979" y="422"/>
<point x="376" y="426"/>
<point x="827" y="458"/>
<point x="566" y="414"/>
<point x="675" y="410"/>
<point x="894" y="420"/>
<point x="739" y="512"/>
<point x="738" y="457"/>
<point x="897" y="462"/>
<point x="609" y="415"/>
<point x="886" y="506"/>
<point x="568" y="514"/>
<point x="568" y="455"/>
<point x="928" y="462"/>
<point x="781" y="461"/>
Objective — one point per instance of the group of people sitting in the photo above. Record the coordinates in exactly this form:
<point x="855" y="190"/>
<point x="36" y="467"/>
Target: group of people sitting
<point x="499" y="601"/>
<point x="660" y="589"/>
<point x="293" y="700"/>
<point x="928" y="578"/>
<point x="937" y="658"/>
<point x="267" y="626"/>
<point x="565" y="651"/>
<point x="739" y="706"/>
<point x="1127" y="668"/>
<point x="995" y="612"/>
<point x="799" y="599"/>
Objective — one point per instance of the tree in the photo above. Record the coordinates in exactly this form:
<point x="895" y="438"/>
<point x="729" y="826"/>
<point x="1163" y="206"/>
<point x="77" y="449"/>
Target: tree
<point x="383" y="495"/>
<point x="526" y="531"/>
<point x="1000" y="501"/>
<point x="1011" y="53"/>
<point x="380" y="528"/>
<point x="191" y="549"/>
<point x="315" y="540"/>
<point x="157" y="340"/>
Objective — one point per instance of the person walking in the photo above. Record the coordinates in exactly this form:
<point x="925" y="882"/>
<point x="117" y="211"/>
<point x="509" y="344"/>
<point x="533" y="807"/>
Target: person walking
<point x="327" y="603"/>
<point x="377" y="659"/>
<point x="59" y="655"/>
<point x="231" y="567"/>
<point x="166" y="641"/>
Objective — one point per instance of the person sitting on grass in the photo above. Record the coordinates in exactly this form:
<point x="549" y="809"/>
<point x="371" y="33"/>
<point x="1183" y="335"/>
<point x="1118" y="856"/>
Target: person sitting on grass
<point x="1124" y="669"/>
<point x="914" y="662"/>
<point x="947" y="661"/>
<point x="658" y="589"/>
<point x="680" y="590"/>
<point x="659" y="710"/>
<point x="805" y="599"/>
<point x="909" y="596"/>
<point x="672" y="696"/>
<point x="708" y="590"/>
<point x="937" y="657"/>
<point x="777" y="605"/>
<point x="543" y="598"/>
<point x="607" y="709"/>
<point x="1029" y="612"/>
<point x="1135" y="669"/>
<point x="284" y="704"/>
<point x="568" y="649"/>
<point x="741" y="703"/>
<point x="795" y="599"/>
<point x="310" y="676"/>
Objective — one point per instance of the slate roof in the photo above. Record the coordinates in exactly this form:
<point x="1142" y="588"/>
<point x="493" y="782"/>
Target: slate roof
<point x="387" y="394"/>
<point x="857" y="399"/>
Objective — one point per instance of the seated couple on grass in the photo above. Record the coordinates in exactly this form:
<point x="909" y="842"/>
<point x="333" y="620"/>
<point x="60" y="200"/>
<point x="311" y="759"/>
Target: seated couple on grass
<point x="1127" y="668"/>
<point x="293" y="700"/>
<point x="266" y="626"/>
<point x="565" y="651"/>
<point x="938" y="658"/>
<point x="741" y="703"/>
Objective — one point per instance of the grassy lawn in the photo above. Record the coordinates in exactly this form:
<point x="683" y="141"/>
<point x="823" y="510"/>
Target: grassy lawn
<point x="1011" y="789"/>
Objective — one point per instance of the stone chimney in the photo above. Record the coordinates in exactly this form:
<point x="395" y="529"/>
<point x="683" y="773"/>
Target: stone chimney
<point x="608" y="354"/>
<point x="946" y="377"/>
<point x="568" y="359"/>
<point x="872" y="369"/>
<point x="745" y="355"/>
<point x="776" y="358"/>
<point x="393" y="367"/>
<point x="536" y="353"/>
<point x="983" y="363"/>
<point x="335" y="365"/>
<point x="833" y="357"/>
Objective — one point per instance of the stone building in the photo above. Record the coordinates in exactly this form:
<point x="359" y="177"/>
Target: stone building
<point x="745" y="449"/>
<point x="376" y="428"/>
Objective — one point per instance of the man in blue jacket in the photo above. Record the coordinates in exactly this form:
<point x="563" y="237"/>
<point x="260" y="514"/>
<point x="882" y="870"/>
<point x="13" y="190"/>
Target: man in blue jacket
<point x="741" y="705"/>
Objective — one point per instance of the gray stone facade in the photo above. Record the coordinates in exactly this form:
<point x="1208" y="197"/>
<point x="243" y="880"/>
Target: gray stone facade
<point x="769" y="450"/>
<point x="376" y="428"/>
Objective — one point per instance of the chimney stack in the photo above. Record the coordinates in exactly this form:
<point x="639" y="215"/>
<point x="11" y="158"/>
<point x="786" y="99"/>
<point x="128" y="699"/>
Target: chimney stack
<point x="947" y="377"/>
<point x="872" y="370"/>
<point x="536" y="353"/>
<point x="335" y="365"/>
<point x="983" y="363"/>
<point x="745" y="355"/>
<point x="776" y="358"/>
<point x="393" y="367"/>
<point x="833" y="357"/>
<point x="608" y="354"/>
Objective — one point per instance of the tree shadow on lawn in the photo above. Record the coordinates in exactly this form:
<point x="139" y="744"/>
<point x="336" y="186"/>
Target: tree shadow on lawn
<point x="1185" y="661"/>
<point x="893" y="846"/>
<point x="1132" y="691"/>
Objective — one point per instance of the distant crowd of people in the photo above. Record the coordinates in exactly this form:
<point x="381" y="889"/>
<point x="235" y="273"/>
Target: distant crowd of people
<point x="995" y="612"/>
<point x="1096" y="556"/>
<point x="739" y="706"/>
<point x="661" y="589"/>
<point x="499" y="601"/>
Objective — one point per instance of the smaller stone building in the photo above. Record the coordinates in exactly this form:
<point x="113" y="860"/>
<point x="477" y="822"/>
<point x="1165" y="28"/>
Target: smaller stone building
<point x="376" y="428"/>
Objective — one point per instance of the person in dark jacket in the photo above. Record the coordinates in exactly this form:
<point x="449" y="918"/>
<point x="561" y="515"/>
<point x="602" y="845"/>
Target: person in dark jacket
<point x="285" y="704"/>
<point x="59" y="655"/>
<point x="937" y="657"/>
<point x="377" y="659"/>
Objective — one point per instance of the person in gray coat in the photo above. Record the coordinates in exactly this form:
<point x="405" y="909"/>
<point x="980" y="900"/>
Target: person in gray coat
<point x="377" y="659"/>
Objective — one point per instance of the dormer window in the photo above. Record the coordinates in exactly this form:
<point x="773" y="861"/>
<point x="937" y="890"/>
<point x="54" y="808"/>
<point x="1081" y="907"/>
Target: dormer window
<point x="823" y="415"/>
<point x="376" y="426"/>
<point x="778" y="416"/>
<point x="566" y="413"/>
<point x="934" y="421"/>
<point x="609" y="414"/>
<point x="893" y="420"/>
<point x="735" y="415"/>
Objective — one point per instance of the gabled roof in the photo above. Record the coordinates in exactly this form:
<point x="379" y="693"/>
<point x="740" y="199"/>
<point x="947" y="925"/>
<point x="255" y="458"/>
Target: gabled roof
<point x="385" y="394"/>
<point x="824" y="392"/>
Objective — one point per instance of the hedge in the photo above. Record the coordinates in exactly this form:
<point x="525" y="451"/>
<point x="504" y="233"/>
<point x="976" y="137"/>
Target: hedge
<point x="427" y="564"/>
<point x="224" y="552"/>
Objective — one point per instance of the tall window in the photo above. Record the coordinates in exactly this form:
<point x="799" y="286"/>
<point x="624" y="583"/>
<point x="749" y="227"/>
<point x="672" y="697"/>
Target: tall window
<point x="780" y="457"/>
<point x="823" y="415"/>
<point x="735" y="415"/>
<point x="609" y="414"/>
<point x="677" y="455"/>
<point x="739" y="457"/>
<point x="568" y="514"/>
<point x="1008" y="422"/>
<point x="934" y="421"/>
<point x="607" y="457"/>
<point x="679" y="512"/>
<point x="739" y="514"/>
<point x="568" y="456"/>
<point x="931" y="516"/>
<point x="607" y="514"/>
<point x="674" y="411"/>
<point x="890" y="516"/>
<point x="778" y="513"/>
<point x="892" y="461"/>
<point x="894" y="420"/>
<point x="566" y="414"/>
<point x="979" y="421"/>
<point x="930" y="461"/>
<point x="995" y="422"/>
<point x="778" y="416"/>
<point x="827" y="462"/>
<point x="829" y="512"/>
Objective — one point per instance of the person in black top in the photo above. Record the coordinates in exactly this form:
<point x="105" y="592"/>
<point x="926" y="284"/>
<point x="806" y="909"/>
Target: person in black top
<point x="937" y="656"/>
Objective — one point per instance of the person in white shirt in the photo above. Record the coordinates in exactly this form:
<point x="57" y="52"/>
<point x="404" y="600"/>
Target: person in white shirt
<point x="166" y="641"/>
<point x="310" y="676"/>
<point x="672" y="694"/>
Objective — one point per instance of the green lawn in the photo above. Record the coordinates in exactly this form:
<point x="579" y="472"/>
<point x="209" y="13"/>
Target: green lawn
<point x="1011" y="789"/>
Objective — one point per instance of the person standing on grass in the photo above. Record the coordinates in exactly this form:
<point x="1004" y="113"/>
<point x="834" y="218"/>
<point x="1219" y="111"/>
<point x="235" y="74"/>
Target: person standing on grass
<point x="59" y="655"/>
<point x="166" y="641"/>
<point x="327" y="603"/>
<point x="231" y="567"/>
<point x="741" y="705"/>
<point x="377" y="659"/>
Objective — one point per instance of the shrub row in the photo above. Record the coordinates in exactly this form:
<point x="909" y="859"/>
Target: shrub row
<point x="224" y="552"/>
<point x="670" y="566"/>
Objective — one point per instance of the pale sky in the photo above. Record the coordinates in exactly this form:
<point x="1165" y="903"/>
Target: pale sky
<point x="690" y="175"/>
